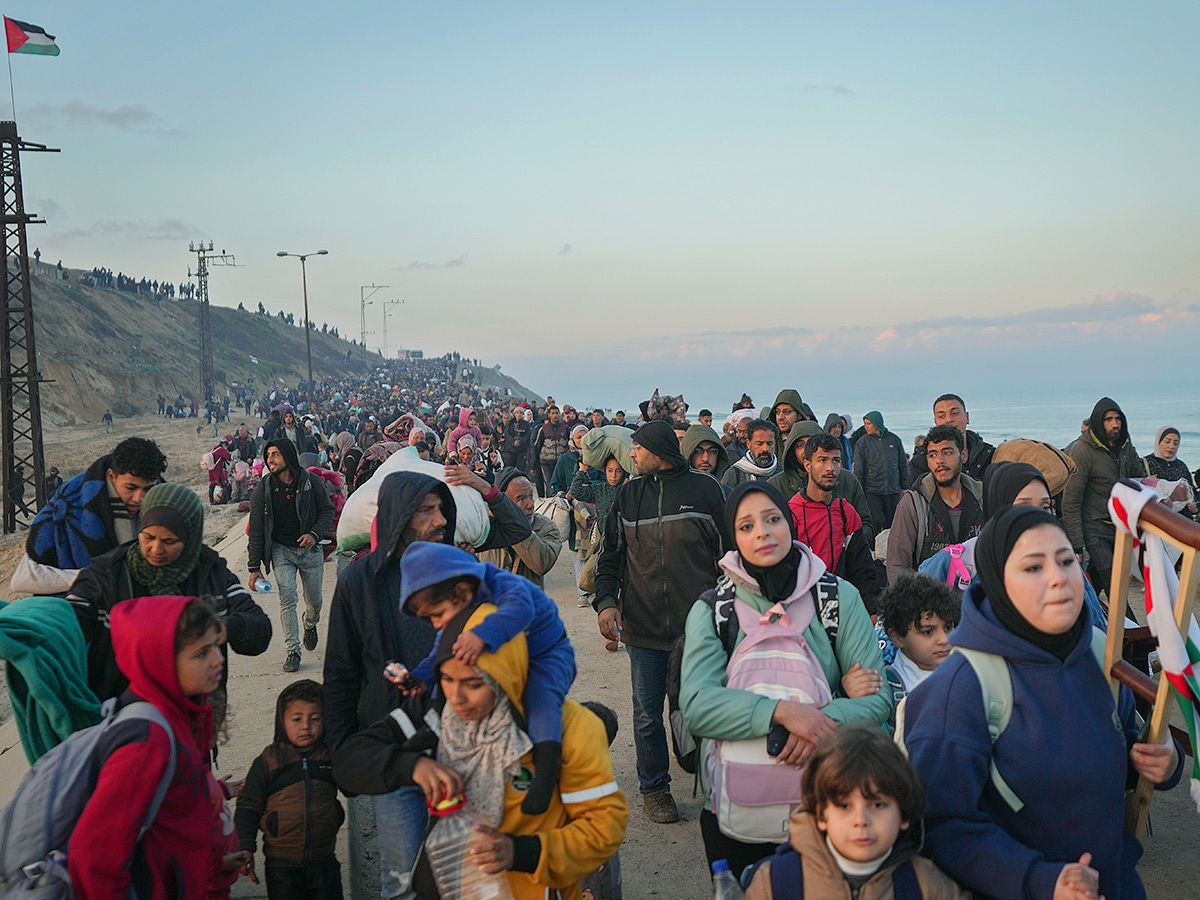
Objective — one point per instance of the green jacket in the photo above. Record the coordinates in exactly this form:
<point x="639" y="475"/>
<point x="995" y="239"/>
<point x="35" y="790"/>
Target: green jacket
<point x="1085" y="497"/>
<point x="712" y="711"/>
<point x="793" y="479"/>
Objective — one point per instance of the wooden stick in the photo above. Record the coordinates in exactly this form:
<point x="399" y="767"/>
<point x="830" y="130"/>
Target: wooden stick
<point x="1118" y="603"/>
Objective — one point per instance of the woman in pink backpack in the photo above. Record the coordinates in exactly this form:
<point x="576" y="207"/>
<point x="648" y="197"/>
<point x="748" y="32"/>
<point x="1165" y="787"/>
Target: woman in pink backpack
<point x="814" y="665"/>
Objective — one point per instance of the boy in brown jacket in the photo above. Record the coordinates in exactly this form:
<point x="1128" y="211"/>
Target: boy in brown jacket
<point x="290" y="795"/>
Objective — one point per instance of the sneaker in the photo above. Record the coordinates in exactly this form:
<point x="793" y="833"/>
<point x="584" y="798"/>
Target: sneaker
<point x="660" y="808"/>
<point x="584" y="602"/>
<point x="292" y="663"/>
<point x="310" y="637"/>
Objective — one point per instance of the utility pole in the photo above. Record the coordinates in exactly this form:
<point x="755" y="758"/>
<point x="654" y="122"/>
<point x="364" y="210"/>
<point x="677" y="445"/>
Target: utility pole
<point x="387" y="304"/>
<point x="363" y="304"/>
<point x="20" y="400"/>
<point x="203" y="256"/>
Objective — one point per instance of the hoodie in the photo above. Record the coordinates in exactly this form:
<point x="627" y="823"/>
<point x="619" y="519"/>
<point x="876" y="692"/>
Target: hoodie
<point x="177" y="854"/>
<point x="823" y="878"/>
<point x="463" y="428"/>
<point x="698" y="434"/>
<point x="664" y="535"/>
<point x="833" y="531"/>
<point x="1065" y="753"/>
<point x="366" y="625"/>
<point x="794" y="479"/>
<point x="1098" y="468"/>
<point x="831" y="420"/>
<point x="585" y="822"/>
<point x="792" y="399"/>
<point x="313" y="507"/>
<point x="291" y="797"/>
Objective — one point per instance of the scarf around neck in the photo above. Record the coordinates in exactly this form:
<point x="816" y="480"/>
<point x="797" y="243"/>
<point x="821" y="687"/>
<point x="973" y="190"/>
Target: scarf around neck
<point x="486" y="752"/>
<point x="750" y="467"/>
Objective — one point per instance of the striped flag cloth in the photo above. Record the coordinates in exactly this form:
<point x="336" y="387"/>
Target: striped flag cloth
<point x="1180" y="658"/>
<point x="26" y="38"/>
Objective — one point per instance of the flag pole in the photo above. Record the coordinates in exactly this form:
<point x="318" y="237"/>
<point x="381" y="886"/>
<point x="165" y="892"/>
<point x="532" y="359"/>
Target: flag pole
<point x="11" y="93"/>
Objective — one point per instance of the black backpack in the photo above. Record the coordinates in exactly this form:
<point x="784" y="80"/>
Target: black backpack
<point x="684" y="744"/>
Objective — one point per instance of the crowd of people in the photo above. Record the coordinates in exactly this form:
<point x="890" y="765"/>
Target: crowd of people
<point x="788" y="589"/>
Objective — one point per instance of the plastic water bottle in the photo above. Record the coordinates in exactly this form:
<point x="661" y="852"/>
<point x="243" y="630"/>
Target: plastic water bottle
<point x="457" y="874"/>
<point x="725" y="885"/>
<point x="262" y="585"/>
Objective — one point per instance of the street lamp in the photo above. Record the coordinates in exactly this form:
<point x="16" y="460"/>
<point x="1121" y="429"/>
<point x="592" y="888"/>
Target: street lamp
<point x="387" y="311"/>
<point x="304" y="282"/>
<point x="363" y="304"/>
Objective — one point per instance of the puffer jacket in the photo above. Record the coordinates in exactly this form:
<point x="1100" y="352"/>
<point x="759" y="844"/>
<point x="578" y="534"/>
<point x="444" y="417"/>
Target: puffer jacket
<point x="664" y="536"/>
<point x="291" y="797"/>
<point x="1098" y="468"/>
<point x="880" y="463"/>
<point x="552" y="441"/>
<point x="823" y="878"/>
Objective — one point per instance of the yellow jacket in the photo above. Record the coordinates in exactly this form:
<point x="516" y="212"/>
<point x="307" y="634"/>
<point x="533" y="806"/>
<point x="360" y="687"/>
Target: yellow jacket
<point x="585" y="822"/>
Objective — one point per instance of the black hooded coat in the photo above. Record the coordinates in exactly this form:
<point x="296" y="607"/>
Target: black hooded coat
<point x="313" y="506"/>
<point x="367" y="628"/>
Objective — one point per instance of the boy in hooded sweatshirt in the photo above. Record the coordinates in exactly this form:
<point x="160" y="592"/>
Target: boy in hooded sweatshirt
<point x="290" y="794"/>
<point x="857" y="830"/>
<point x="169" y="649"/>
<point x="438" y="581"/>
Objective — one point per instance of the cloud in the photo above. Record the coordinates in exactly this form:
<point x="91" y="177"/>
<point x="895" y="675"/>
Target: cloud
<point x="47" y="209"/>
<point x="417" y="266"/>
<point x="840" y="89"/>
<point x="135" y="118"/>
<point x="163" y="230"/>
<point x="565" y="250"/>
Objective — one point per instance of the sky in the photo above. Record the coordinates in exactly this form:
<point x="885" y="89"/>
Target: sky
<point x="873" y="198"/>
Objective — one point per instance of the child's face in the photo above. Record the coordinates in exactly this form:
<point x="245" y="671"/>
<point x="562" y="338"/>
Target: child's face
<point x="927" y="643"/>
<point x="862" y="829"/>
<point x="303" y="723"/>
<point x="440" y="612"/>
<point x="198" y="665"/>
<point x="613" y="473"/>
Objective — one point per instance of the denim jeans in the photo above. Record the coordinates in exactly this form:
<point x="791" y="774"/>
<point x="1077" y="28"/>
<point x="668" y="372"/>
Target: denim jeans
<point x="400" y="822"/>
<point x="285" y="563"/>
<point x="648" y="672"/>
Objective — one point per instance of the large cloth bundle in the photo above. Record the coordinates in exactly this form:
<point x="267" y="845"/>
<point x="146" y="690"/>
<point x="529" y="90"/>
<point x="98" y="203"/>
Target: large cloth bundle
<point x="354" y="527"/>
<point x="608" y="440"/>
<point x="1046" y="458"/>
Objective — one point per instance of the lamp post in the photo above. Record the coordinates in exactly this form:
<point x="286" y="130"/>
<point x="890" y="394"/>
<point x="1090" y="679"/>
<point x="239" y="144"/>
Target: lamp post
<point x="304" y="283"/>
<point x="387" y="311"/>
<point x="363" y="304"/>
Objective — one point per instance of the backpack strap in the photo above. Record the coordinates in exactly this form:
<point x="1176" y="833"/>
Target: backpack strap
<point x="899" y="692"/>
<point x="787" y="874"/>
<point x="995" y="684"/>
<point x="825" y="596"/>
<point x="725" y="621"/>
<point x="140" y="709"/>
<point x="904" y="882"/>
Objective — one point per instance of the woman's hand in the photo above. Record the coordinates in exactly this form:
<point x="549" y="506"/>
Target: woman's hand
<point x="1154" y="762"/>
<point x="493" y="852"/>
<point x="1078" y="881"/>
<point x="439" y="782"/>
<point x="860" y="682"/>
<point x="806" y="726"/>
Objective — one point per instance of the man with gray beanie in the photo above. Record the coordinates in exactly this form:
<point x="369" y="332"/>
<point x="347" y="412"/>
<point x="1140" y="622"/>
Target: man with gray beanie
<point x="881" y="464"/>
<point x="662" y="540"/>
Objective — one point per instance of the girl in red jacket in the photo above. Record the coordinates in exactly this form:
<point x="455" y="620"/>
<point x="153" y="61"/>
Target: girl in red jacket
<point x="169" y="649"/>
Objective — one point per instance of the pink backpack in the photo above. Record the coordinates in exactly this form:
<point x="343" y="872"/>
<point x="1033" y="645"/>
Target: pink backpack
<point x="751" y="793"/>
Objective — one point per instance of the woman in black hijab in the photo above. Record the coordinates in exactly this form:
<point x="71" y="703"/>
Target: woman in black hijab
<point x="775" y="581"/>
<point x="1036" y="810"/>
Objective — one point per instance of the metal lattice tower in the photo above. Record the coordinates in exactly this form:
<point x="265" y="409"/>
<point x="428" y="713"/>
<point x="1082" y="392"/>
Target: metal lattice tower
<point x="20" y="402"/>
<point x="203" y="255"/>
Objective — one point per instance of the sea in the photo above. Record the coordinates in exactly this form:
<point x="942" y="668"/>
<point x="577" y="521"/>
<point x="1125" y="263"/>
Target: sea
<point x="1051" y="417"/>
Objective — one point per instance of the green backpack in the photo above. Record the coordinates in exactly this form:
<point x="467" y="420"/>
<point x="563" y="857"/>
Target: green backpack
<point x="995" y="683"/>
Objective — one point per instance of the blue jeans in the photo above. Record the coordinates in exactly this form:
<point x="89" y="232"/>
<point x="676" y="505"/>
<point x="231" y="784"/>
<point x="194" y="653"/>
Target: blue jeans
<point x="401" y="818"/>
<point x="648" y="672"/>
<point x="285" y="563"/>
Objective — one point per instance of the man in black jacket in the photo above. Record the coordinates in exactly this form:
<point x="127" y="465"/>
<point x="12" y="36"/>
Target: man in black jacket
<point x="664" y="534"/>
<point x="290" y="512"/>
<point x="367" y="629"/>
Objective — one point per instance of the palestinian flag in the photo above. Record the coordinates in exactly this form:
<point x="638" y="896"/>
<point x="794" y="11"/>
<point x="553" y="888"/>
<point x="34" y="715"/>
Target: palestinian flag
<point x="1178" y="653"/>
<point x="26" y="38"/>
